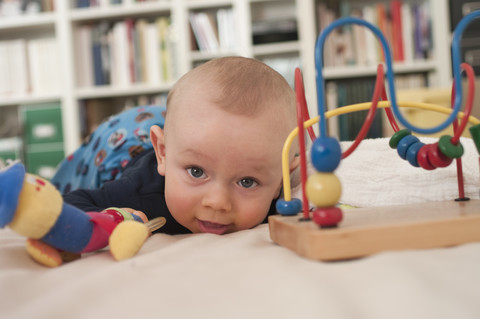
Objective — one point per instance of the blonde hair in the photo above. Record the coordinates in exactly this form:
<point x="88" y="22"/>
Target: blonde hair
<point x="237" y="84"/>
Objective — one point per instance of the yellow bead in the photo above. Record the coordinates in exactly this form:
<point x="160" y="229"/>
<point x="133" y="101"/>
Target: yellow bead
<point x="323" y="189"/>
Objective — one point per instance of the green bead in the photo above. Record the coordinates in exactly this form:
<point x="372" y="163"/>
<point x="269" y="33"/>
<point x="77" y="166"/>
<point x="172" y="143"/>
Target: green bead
<point x="448" y="149"/>
<point x="475" y="133"/>
<point x="397" y="137"/>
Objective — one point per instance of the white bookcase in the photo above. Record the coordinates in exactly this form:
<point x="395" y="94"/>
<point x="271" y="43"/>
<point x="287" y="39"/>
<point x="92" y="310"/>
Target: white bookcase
<point x="62" y="23"/>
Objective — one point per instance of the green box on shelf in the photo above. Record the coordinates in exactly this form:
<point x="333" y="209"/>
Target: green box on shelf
<point x="43" y="123"/>
<point x="43" y="163"/>
<point x="9" y="155"/>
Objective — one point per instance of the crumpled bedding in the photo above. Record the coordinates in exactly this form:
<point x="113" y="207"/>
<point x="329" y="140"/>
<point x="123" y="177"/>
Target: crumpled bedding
<point x="375" y="175"/>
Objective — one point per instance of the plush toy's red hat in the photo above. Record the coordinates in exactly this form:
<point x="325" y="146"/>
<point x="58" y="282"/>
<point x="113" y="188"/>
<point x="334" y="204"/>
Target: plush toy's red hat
<point x="11" y="182"/>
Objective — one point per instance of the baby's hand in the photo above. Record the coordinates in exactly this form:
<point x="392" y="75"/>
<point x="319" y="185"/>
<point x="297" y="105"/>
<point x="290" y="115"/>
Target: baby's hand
<point x="137" y="213"/>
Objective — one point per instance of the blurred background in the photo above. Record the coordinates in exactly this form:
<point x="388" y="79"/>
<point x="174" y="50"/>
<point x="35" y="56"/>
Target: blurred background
<point x="67" y="65"/>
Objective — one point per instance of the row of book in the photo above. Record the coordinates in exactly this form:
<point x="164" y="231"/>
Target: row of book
<point x="405" y="25"/>
<point x="105" y="3"/>
<point x="19" y="7"/>
<point x="125" y="52"/>
<point x="352" y="91"/>
<point x="29" y="66"/>
<point x="213" y="31"/>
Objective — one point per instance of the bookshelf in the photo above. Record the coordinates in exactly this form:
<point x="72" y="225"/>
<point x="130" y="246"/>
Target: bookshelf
<point x="280" y="32"/>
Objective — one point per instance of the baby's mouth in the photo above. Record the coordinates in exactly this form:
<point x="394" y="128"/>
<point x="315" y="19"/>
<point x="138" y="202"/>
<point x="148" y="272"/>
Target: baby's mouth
<point x="212" y="228"/>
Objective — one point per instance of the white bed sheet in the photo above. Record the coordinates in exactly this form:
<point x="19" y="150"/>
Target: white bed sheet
<point x="242" y="275"/>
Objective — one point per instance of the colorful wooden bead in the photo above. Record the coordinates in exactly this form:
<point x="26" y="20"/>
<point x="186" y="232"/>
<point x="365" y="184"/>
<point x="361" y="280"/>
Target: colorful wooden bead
<point x="422" y="158"/>
<point x="289" y="208"/>
<point x="326" y="154"/>
<point x="323" y="189"/>
<point x="327" y="217"/>
<point x="412" y="153"/>
<point x="448" y="149"/>
<point x="397" y="136"/>
<point x="437" y="158"/>
<point x="404" y="144"/>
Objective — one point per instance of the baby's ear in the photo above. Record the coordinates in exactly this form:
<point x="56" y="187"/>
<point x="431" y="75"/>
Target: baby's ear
<point x="294" y="163"/>
<point x="158" y="141"/>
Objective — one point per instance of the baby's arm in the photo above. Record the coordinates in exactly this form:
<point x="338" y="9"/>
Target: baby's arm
<point x="118" y="193"/>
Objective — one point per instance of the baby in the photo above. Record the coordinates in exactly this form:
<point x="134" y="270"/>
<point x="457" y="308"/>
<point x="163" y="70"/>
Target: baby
<point x="216" y="165"/>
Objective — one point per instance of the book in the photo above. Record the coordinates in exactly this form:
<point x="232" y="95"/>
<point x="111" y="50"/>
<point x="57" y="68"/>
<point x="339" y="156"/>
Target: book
<point x="325" y="18"/>
<point x="4" y="68"/>
<point x="166" y="53"/>
<point x="14" y="77"/>
<point x="407" y="32"/>
<point x="130" y="28"/>
<point x="205" y="31"/>
<point x="226" y="29"/>
<point x="153" y="66"/>
<point x="331" y="100"/>
<point x="371" y="43"/>
<point x="397" y="36"/>
<point x="359" y="38"/>
<point x="96" y="47"/>
<point x="18" y="66"/>
<point x="120" y="55"/>
<point x="383" y="26"/>
<point x="347" y="36"/>
<point x="83" y="56"/>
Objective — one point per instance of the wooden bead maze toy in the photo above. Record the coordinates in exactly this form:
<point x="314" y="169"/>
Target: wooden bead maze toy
<point x="323" y="233"/>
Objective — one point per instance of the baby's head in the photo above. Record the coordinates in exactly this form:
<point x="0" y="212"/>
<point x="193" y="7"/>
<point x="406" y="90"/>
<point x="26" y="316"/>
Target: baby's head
<point x="220" y="151"/>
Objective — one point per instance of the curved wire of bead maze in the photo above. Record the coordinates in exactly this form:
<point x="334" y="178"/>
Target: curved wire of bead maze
<point x="323" y="188"/>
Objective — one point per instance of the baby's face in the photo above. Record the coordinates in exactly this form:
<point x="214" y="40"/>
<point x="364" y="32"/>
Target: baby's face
<point x="222" y="170"/>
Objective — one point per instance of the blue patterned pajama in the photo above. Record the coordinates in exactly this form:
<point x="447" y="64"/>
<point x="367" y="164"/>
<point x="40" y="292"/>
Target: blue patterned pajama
<point x="107" y="151"/>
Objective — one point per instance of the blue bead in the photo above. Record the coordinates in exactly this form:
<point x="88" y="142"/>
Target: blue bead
<point x="412" y="153"/>
<point x="326" y="154"/>
<point x="288" y="208"/>
<point x="404" y="144"/>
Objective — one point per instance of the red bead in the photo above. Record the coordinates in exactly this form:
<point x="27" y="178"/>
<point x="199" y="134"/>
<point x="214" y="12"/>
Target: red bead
<point x="437" y="158"/>
<point x="422" y="158"/>
<point x="327" y="217"/>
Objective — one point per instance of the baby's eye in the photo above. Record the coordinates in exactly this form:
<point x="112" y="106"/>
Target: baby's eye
<point x="247" y="182"/>
<point x="196" y="172"/>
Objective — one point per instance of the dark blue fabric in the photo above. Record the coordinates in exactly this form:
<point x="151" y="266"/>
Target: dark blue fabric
<point x="140" y="187"/>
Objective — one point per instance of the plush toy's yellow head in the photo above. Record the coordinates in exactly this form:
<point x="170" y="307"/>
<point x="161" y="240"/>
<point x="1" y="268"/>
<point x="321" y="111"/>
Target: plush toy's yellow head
<point x="39" y="205"/>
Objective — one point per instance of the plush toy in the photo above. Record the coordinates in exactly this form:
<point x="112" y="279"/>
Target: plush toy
<point x="58" y="232"/>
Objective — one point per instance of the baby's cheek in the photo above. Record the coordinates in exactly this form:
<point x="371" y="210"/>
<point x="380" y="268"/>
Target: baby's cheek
<point x="180" y="206"/>
<point x="253" y="214"/>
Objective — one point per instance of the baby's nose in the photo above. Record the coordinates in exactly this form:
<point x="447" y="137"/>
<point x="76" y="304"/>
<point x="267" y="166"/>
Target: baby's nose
<point x="218" y="199"/>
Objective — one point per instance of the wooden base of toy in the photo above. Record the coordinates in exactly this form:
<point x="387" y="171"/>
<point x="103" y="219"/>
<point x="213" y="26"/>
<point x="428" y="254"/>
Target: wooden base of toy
<point x="365" y="231"/>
